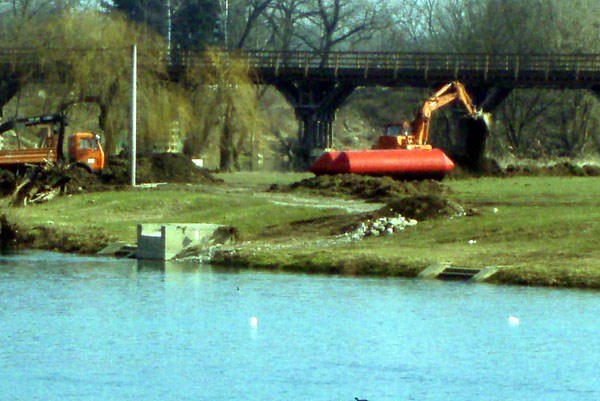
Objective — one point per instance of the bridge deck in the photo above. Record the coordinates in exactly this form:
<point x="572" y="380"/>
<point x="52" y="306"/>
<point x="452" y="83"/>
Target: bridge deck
<point x="559" y="70"/>
<point x="391" y="69"/>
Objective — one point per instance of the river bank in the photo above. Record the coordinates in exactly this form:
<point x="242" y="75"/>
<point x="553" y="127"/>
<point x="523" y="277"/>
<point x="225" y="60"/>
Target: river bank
<point x="539" y="230"/>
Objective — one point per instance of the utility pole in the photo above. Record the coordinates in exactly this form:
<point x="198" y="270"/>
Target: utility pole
<point x="133" y="132"/>
<point x="169" y="30"/>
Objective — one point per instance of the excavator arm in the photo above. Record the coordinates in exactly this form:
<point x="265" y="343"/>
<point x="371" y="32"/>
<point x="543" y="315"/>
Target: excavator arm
<point x="29" y="121"/>
<point x="447" y="94"/>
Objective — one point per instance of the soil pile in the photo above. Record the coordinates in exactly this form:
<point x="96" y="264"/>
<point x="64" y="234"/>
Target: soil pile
<point x="426" y="207"/>
<point x="157" y="167"/>
<point x="374" y="189"/>
<point x="485" y="167"/>
<point x="420" y="200"/>
<point x="491" y="168"/>
<point x="563" y="169"/>
<point x="45" y="182"/>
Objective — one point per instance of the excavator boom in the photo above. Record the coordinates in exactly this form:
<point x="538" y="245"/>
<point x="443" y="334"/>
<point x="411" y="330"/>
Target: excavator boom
<point x="29" y="121"/>
<point x="446" y="95"/>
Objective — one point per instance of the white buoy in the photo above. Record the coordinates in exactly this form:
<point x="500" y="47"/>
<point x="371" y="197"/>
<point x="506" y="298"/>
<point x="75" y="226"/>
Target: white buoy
<point x="513" y="320"/>
<point x="253" y="321"/>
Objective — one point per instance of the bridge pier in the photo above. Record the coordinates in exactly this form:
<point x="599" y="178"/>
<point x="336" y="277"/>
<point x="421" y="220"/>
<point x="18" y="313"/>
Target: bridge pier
<point x="476" y="132"/>
<point x="596" y="90"/>
<point x="315" y="104"/>
<point x="487" y="98"/>
<point x="470" y="136"/>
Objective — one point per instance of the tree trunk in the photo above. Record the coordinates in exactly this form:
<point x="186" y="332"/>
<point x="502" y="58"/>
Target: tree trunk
<point x="227" y="147"/>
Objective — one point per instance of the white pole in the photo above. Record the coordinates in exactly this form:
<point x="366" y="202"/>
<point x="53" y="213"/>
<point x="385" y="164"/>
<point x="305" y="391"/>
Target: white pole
<point x="133" y="133"/>
<point x="169" y="29"/>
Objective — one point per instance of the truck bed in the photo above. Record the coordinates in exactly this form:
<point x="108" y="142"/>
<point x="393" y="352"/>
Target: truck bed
<point x="15" y="157"/>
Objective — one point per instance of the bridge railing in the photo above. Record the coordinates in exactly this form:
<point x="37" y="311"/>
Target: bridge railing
<point x="448" y="61"/>
<point x="387" y="63"/>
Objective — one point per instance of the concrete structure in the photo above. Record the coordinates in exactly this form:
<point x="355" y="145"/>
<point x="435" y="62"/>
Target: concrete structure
<point x="445" y="271"/>
<point x="168" y="241"/>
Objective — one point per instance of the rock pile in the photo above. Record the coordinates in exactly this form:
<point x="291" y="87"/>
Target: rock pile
<point x="380" y="226"/>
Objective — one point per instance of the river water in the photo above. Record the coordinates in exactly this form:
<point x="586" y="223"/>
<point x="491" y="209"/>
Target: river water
<point x="74" y="328"/>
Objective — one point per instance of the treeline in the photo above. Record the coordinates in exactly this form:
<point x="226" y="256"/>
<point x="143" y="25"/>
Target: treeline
<point x="82" y="46"/>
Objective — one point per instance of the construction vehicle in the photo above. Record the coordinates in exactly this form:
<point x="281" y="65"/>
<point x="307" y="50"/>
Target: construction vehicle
<point x="403" y="150"/>
<point x="84" y="148"/>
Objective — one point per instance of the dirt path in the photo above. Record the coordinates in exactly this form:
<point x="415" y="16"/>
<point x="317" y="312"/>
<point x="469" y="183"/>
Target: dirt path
<point x="321" y="202"/>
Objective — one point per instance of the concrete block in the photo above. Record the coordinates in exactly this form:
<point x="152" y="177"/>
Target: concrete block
<point x="434" y="270"/>
<point x="167" y="241"/>
<point x="118" y="249"/>
<point x="485" y="273"/>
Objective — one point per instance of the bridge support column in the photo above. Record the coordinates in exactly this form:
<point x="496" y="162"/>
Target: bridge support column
<point x="596" y="90"/>
<point x="488" y="98"/>
<point x="473" y="134"/>
<point x="315" y="104"/>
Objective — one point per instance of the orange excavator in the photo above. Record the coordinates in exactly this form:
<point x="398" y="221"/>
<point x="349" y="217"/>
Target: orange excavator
<point x="404" y="150"/>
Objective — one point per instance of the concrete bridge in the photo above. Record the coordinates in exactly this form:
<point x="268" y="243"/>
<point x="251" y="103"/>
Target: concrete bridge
<point x="316" y="86"/>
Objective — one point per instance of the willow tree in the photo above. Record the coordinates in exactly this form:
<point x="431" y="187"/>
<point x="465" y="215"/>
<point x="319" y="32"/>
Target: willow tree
<point x="227" y="102"/>
<point x="86" y="57"/>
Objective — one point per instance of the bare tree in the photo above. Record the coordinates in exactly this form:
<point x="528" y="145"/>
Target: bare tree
<point x="243" y="18"/>
<point x="519" y="117"/>
<point x="336" y="23"/>
<point x="284" y="17"/>
<point x="493" y="26"/>
<point x="571" y="126"/>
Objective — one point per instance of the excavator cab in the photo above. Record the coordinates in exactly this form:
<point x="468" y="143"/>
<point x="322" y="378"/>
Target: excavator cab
<point x="85" y="149"/>
<point x="399" y="136"/>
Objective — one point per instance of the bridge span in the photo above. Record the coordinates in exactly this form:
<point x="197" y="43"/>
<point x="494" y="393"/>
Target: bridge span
<point x="316" y="86"/>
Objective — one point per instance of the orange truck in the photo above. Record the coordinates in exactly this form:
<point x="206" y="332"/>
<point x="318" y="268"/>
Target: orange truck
<point x="84" y="148"/>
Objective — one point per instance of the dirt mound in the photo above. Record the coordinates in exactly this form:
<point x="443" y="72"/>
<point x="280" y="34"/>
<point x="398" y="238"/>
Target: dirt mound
<point x="420" y="200"/>
<point x="45" y="182"/>
<point x="562" y="169"/>
<point x="158" y="167"/>
<point x="376" y="189"/>
<point x="425" y="207"/>
<point x="485" y="167"/>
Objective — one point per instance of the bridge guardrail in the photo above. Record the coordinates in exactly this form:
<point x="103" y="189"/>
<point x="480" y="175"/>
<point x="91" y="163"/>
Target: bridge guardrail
<point x="462" y="61"/>
<point x="511" y="63"/>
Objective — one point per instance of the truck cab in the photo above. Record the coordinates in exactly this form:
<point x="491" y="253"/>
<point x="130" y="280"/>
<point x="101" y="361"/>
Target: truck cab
<point x="84" y="148"/>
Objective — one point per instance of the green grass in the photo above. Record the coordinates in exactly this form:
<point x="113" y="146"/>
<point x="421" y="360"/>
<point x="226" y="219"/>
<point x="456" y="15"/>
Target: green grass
<point x="545" y="230"/>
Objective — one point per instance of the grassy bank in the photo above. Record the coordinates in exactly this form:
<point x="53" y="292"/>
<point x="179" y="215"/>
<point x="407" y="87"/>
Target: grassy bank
<point x="541" y="230"/>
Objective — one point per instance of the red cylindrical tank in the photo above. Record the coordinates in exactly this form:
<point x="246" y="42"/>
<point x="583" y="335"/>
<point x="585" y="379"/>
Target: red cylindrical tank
<point x="321" y="165"/>
<point x="393" y="162"/>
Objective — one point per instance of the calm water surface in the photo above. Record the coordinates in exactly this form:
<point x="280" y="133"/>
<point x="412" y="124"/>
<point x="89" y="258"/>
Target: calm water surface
<point x="74" y="328"/>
